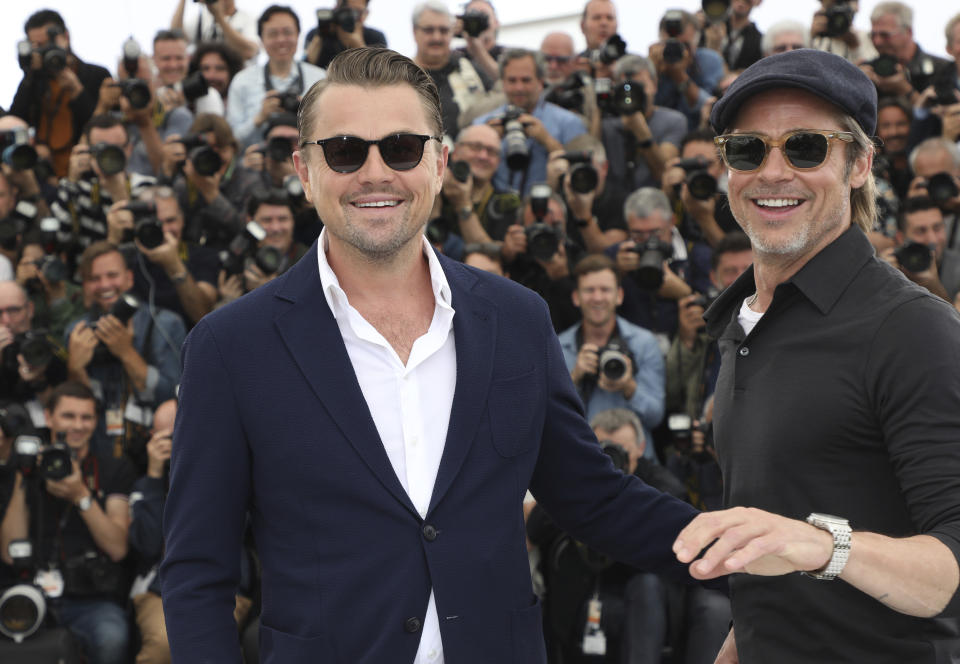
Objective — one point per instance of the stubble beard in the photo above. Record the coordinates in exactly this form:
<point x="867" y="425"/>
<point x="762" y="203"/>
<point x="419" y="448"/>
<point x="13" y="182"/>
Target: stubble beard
<point x="803" y="238"/>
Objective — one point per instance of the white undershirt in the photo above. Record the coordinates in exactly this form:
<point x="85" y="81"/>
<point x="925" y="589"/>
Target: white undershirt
<point x="410" y="405"/>
<point x="748" y="318"/>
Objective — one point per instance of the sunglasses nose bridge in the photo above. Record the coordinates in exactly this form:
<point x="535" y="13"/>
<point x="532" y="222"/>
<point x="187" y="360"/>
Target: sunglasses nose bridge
<point x="775" y="164"/>
<point x="374" y="167"/>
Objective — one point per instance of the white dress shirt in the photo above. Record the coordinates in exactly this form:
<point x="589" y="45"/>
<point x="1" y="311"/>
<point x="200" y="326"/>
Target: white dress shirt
<point x="410" y="404"/>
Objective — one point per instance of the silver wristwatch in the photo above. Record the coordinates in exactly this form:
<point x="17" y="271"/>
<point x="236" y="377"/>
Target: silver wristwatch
<point x="84" y="503"/>
<point x="840" y="529"/>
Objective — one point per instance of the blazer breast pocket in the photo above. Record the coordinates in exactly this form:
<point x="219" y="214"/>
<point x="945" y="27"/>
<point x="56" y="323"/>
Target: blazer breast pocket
<point x="278" y="647"/>
<point x="516" y="410"/>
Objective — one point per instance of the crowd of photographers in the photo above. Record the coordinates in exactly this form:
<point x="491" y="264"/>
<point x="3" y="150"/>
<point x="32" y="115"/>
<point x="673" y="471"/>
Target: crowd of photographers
<point x="137" y="198"/>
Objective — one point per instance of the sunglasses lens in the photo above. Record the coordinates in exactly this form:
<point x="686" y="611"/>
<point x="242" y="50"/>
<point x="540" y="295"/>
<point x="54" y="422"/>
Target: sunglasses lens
<point x="806" y="150"/>
<point x="402" y="152"/>
<point x="744" y="153"/>
<point x="345" y="154"/>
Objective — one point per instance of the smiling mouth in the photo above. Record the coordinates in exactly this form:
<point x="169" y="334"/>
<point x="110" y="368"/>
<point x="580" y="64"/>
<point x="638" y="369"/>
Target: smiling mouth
<point x="377" y="204"/>
<point x="777" y="203"/>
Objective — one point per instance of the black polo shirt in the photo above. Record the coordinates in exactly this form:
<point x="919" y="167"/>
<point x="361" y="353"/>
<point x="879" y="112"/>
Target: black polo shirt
<point x="843" y="399"/>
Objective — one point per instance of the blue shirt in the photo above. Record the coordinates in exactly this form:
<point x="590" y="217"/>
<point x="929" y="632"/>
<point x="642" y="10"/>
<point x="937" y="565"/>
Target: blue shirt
<point x="648" y="399"/>
<point x="560" y="123"/>
<point x="248" y="89"/>
<point x="706" y="73"/>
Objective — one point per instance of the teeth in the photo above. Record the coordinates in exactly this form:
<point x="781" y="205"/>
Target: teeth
<point x="777" y="202"/>
<point x="378" y="204"/>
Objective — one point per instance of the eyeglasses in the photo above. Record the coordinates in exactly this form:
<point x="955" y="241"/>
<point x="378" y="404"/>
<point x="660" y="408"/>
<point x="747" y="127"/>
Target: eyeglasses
<point x="12" y="311"/>
<point x="882" y="34"/>
<point x="558" y="59"/>
<point x="783" y="48"/>
<point x="492" y="150"/>
<point x="346" y="154"/>
<point x="804" y="150"/>
<point x="430" y="29"/>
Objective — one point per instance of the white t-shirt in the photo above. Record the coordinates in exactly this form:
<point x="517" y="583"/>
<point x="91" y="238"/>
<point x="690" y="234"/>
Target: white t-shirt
<point x="748" y="318"/>
<point x="201" y="26"/>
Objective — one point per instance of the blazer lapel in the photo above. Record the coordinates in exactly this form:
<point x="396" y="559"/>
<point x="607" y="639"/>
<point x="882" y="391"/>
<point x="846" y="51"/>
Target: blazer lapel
<point x="311" y="334"/>
<point x="474" y="328"/>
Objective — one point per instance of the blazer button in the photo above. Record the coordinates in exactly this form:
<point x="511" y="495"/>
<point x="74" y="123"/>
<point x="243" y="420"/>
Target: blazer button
<point x="429" y="533"/>
<point x="744" y="351"/>
<point x="412" y="625"/>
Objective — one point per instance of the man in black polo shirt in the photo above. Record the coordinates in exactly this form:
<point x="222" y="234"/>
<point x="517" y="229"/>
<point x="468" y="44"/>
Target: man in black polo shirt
<point x="838" y="394"/>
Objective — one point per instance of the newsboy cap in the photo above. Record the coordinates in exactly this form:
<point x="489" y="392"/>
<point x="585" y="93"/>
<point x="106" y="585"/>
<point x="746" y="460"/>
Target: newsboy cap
<point x="826" y="75"/>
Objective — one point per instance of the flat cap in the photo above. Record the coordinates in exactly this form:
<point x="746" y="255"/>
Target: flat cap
<point x="826" y="75"/>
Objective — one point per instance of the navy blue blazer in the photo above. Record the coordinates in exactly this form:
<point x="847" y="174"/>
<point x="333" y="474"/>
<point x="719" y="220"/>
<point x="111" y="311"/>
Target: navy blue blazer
<point x="272" y="420"/>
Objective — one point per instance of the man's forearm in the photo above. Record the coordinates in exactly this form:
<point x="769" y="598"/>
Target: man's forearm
<point x="109" y="537"/>
<point x="154" y="145"/>
<point x="195" y="302"/>
<point x="176" y="23"/>
<point x="915" y="575"/>
<point x="246" y="48"/>
<point x="136" y="368"/>
<point x="14" y="525"/>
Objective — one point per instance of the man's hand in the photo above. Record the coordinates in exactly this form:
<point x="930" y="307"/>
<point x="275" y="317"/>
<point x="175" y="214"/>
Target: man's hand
<point x="627" y="258"/>
<point x="557" y="168"/>
<point x="556" y="266"/>
<point x="71" y="488"/>
<point x="26" y="270"/>
<point x="6" y="336"/>
<point x="207" y="185"/>
<point x="352" y="39"/>
<point x="174" y="155"/>
<point x="514" y="243"/>
<point x="158" y="452"/>
<point x="896" y="84"/>
<point x="231" y="287"/>
<point x="69" y="82"/>
<point x="166" y="255"/>
<point x="588" y="362"/>
<point x="29" y="373"/>
<point x="728" y="651"/>
<point x="109" y="98"/>
<point x="271" y="104"/>
<point x="673" y="286"/>
<point x="636" y="124"/>
<point x="458" y="193"/>
<point x="752" y="541"/>
<point x="80" y="162"/>
<point x="255" y="278"/>
<point x="625" y="385"/>
<point x="253" y="157"/>
<point x="689" y="320"/>
<point x="119" y="220"/>
<point x="80" y="346"/>
<point x="533" y="128"/>
<point x="581" y="205"/>
<point x="117" y="337"/>
<point x="715" y="36"/>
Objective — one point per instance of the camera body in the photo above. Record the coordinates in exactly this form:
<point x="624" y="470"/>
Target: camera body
<point x="610" y="51"/>
<point x="614" y="358"/>
<point x="474" y="23"/>
<point x="569" y="93"/>
<point x="699" y="182"/>
<point x="516" y="151"/>
<point x="194" y="86"/>
<point x="884" y="65"/>
<point x="16" y="149"/>
<point x="36" y="348"/>
<point x="584" y="178"/>
<point x="109" y="157"/>
<point x="914" y="256"/>
<point x="53" y="58"/>
<point x="289" y="102"/>
<point x="941" y="188"/>
<point x="245" y="246"/>
<point x="649" y="272"/>
<point x="618" y="455"/>
<point x="460" y="170"/>
<point x="38" y="458"/>
<point x="328" y="20"/>
<point x="839" y="19"/>
<point x="206" y="161"/>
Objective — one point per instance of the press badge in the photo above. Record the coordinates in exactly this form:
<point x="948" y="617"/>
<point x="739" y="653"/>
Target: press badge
<point x="594" y="640"/>
<point x="50" y="582"/>
<point x="114" y="419"/>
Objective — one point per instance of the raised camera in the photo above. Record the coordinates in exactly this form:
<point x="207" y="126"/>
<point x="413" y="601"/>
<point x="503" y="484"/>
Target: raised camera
<point x="17" y="151"/>
<point x="914" y="256"/>
<point x="460" y="170"/>
<point x="941" y="188"/>
<point x="649" y="272"/>
<point x="516" y="151"/>
<point x="614" y="359"/>
<point x="700" y="183"/>
<point x="109" y="157"/>
<point x="329" y="19"/>
<point x="583" y="176"/>
<point x="884" y="65"/>
<point x="474" y="22"/>
<point x="839" y="19"/>
<point x="206" y="161"/>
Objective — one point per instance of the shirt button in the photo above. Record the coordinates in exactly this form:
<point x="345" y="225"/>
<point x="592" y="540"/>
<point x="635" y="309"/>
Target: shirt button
<point x="744" y="351"/>
<point x="432" y="655"/>
<point x="412" y="625"/>
<point x="413" y="441"/>
<point x="430" y="533"/>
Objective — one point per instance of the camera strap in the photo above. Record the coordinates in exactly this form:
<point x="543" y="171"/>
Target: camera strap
<point x="268" y="84"/>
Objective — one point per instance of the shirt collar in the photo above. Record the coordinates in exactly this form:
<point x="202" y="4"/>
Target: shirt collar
<point x="337" y="298"/>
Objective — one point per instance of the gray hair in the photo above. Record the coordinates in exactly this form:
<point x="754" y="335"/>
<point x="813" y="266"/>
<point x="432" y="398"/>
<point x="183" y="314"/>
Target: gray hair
<point x="614" y="418"/>
<point x="933" y="145"/>
<point x="437" y="6"/>
<point x="645" y="201"/>
<point x="902" y="12"/>
<point x="948" y="31"/>
<point x="631" y="63"/>
<point x="512" y="54"/>
<point x="782" y="27"/>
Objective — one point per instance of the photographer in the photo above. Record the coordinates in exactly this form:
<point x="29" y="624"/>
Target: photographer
<point x="741" y="41"/>
<point x="169" y="272"/>
<point x="83" y="520"/>
<point x="257" y="91"/>
<point x="687" y="74"/>
<point x="695" y="183"/>
<point x="482" y="47"/>
<point x="639" y="136"/>
<point x="128" y="353"/>
<point x="59" y="92"/>
<point x="172" y="63"/>
<point x="559" y="56"/>
<point x="832" y="31"/>
<point x="263" y="259"/>
<point x="31" y="361"/>
<point x="44" y="276"/>
<point x="613" y="363"/>
<point x="217" y="63"/>
<point x="694" y="360"/>
<point x="220" y="21"/>
<point x="935" y="164"/>
<point x="531" y="127"/>
<point x="22" y="182"/>
<point x="656" y="267"/>
<point x="340" y="29"/>
<point x="922" y="253"/>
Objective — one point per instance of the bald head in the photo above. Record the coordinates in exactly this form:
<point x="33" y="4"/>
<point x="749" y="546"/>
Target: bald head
<point x="10" y="122"/>
<point x="16" y="310"/>
<point x="557" y="50"/>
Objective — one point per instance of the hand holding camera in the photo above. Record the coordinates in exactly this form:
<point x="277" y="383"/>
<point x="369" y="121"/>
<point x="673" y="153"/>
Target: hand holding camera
<point x="917" y="262"/>
<point x="71" y="488"/>
<point x="588" y="362"/>
<point x="690" y="319"/>
<point x="158" y="452"/>
<point x="115" y="335"/>
<point x="514" y="243"/>
<point x="888" y="75"/>
<point x="80" y="347"/>
<point x="458" y="184"/>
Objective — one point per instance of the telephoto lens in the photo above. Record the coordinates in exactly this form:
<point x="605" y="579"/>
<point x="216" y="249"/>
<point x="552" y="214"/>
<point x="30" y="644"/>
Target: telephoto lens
<point x="110" y="158"/>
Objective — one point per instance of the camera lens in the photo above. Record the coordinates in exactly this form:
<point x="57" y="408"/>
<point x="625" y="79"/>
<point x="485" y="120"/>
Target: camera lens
<point x="21" y="157"/>
<point x="673" y="51"/>
<point x="205" y="160"/>
<point x="885" y="65"/>
<point x="137" y="93"/>
<point x="269" y="259"/>
<point x="702" y="185"/>
<point x="110" y="158"/>
<point x="583" y="178"/>
<point x="149" y="233"/>
<point x="194" y="86"/>
<point x="914" y="257"/>
<point x="941" y="188"/>
<point x="460" y="170"/>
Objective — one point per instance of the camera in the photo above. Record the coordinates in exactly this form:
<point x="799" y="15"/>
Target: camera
<point x="945" y="90"/>
<point x="206" y="161"/>
<point x="941" y="188"/>
<point x="279" y="148"/>
<point x="516" y="152"/>
<point x="123" y="310"/>
<point x="839" y="19"/>
<point x="884" y="65"/>
<point x="438" y="231"/>
<point x="542" y="239"/>
<point x="703" y="301"/>
<point x="52" y="57"/>
<point x="460" y="170"/>
<point x="474" y="23"/>
<point x="194" y="86"/>
<point x="618" y="455"/>
<point x="136" y="90"/>
<point x="614" y="358"/>
<point x="583" y="176"/>
<point x="624" y="98"/>
<point x="649" y="272"/>
<point x="610" y="51"/>
<point x="504" y="209"/>
<point x="289" y="102"/>
<point x="16" y="149"/>
<point x="245" y="246"/>
<point x="569" y="93"/>
<point x="914" y="256"/>
<point x="715" y="11"/>
<point x="110" y="158"/>
<point x="673" y="23"/>
<point x="34" y="345"/>
<point x="50" y="461"/>
<point x="147" y="229"/>
<point x="22" y="606"/>
<point x="14" y="420"/>
<point x="53" y="270"/>
<point x="700" y="183"/>
<point x="329" y="19"/>
<point x="673" y="51"/>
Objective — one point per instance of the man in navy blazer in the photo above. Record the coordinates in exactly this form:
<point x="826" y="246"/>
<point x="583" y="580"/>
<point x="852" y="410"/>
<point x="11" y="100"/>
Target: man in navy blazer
<point x="370" y="552"/>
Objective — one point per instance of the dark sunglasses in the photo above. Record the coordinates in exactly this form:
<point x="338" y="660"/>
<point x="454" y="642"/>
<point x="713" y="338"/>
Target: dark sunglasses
<point x="346" y="154"/>
<point x="804" y="150"/>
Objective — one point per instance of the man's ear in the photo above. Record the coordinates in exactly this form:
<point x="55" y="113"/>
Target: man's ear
<point x="575" y="296"/>
<point x="861" y="170"/>
<point x="300" y="165"/>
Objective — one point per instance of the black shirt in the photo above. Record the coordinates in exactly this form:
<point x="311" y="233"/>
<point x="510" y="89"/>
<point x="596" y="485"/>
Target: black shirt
<point x="203" y="264"/>
<point x="844" y="400"/>
<point x="332" y="46"/>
